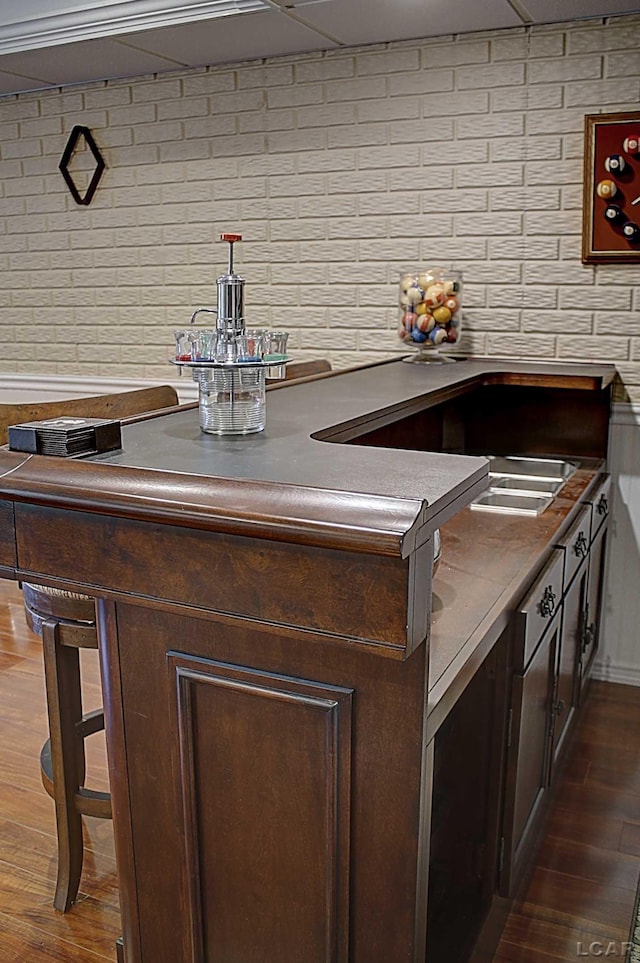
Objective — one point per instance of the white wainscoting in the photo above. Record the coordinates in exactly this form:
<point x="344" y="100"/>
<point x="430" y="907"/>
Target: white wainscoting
<point x="16" y="389"/>
<point x="619" y="658"/>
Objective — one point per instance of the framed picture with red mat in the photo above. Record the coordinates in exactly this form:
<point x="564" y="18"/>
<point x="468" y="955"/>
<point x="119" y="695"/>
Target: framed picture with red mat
<point x="611" y="206"/>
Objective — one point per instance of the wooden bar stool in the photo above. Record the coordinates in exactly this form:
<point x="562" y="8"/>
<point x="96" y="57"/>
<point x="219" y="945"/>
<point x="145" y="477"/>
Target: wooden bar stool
<point x="66" y="623"/>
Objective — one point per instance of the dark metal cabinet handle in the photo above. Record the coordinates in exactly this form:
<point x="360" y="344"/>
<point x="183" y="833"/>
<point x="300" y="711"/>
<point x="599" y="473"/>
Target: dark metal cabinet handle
<point x="588" y="635"/>
<point x="548" y="602"/>
<point x="580" y="546"/>
<point x="559" y="707"/>
<point x="602" y="507"/>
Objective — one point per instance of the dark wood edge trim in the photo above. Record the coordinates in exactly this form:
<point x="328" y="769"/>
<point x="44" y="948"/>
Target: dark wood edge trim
<point x="319" y="517"/>
<point x="571" y="374"/>
<point x="588" y="256"/>
<point x="108" y="646"/>
<point x="578" y="382"/>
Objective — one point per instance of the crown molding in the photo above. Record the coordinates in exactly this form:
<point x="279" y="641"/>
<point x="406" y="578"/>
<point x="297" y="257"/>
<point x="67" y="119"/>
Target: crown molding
<point x="109" y="19"/>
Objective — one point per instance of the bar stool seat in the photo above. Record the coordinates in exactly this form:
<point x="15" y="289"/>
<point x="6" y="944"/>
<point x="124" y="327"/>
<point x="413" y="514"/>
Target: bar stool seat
<point x="66" y="622"/>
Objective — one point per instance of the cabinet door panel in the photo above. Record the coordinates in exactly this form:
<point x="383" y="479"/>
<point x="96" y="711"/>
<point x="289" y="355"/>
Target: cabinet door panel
<point x="601" y="502"/>
<point x="528" y="759"/>
<point x="467" y="787"/>
<point x="591" y="634"/>
<point x="576" y="544"/>
<point x="569" y="651"/>
<point x="247" y="738"/>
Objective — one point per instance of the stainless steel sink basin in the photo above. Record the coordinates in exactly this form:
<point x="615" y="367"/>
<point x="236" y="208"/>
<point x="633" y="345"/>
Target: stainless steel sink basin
<point x="532" y="485"/>
<point x="554" y="469"/>
<point x="520" y="485"/>
<point x="512" y="503"/>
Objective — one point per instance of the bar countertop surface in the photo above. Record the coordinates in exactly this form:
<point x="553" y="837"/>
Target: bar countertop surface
<point x="295" y="470"/>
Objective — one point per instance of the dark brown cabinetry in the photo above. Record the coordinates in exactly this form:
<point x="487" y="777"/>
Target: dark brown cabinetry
<point x="555" y="636"/>
<point x="575" y="547"/>
<point x="537" y="629"/>
<point x="597" y="559"/>
<point x="564" y="698"/>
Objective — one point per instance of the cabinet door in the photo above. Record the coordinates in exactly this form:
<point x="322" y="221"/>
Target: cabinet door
<point x="601" y="505"/>
<point x="593" y="609"/>
<point x="467" y="785"/>
<point x="565" y="695"/>
<point x="528" y="756"/>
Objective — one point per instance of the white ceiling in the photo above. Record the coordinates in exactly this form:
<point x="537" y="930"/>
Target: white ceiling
<point x="77" y="41"/>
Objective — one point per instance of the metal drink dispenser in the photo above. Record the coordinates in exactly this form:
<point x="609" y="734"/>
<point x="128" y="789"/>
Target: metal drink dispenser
<point x="231" y="363"/>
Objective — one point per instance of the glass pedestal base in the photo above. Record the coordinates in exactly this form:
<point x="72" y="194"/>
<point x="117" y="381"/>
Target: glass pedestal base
<point x="432" y="355"/>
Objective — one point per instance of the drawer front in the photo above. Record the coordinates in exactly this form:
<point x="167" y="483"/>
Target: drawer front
<point x="601" y="502"/>
<point x="576" y="544"/>
<point x="537" y="610"/>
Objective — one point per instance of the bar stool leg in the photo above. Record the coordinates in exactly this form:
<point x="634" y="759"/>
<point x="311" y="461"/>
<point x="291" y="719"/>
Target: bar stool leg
<point x="68" y="762"/>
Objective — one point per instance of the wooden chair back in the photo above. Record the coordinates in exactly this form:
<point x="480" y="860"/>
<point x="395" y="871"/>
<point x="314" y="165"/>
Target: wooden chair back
<point x="304" y="369"/>
<point x="121" y="404"/>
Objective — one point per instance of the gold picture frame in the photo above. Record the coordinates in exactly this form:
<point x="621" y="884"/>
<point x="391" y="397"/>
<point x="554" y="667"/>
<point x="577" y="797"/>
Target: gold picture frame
<point x="611" y="200"/>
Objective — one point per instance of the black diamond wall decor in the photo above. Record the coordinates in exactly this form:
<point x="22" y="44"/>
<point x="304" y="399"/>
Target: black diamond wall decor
<point x="74" y="138"/>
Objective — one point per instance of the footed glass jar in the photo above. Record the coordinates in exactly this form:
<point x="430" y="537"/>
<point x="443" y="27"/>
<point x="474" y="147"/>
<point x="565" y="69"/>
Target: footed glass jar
<point x="430" y="316"/>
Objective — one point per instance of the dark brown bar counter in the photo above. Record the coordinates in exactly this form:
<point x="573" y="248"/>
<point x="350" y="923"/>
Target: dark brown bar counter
<point x="267" y="641"/>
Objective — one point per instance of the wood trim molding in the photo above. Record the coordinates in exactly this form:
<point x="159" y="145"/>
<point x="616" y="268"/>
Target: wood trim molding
<point x="89" y="22"/>
<point x="317" y="517"/>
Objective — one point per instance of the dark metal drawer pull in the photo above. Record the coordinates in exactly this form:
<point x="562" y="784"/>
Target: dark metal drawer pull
<point x="602" y="507"/>
<point x="588" y="635"/>
<point x="547" y="603"/>
<point x="580" y="546"/>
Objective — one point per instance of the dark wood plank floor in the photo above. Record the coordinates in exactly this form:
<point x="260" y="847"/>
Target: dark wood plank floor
<point x="578" y="903"/>
<point x="580" y="898"/>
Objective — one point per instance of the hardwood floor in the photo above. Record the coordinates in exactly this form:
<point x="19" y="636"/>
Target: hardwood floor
<point x="580" y="898"/>
<point x="31" y="931"/>
<point x="578" y="903"/>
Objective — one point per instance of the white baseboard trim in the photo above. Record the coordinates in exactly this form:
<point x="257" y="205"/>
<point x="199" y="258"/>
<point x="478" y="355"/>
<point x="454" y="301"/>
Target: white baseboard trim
<point x="18" y="389"/>
<point x="624" y="674"/>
